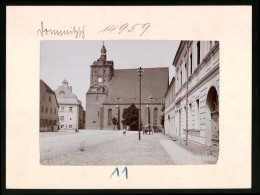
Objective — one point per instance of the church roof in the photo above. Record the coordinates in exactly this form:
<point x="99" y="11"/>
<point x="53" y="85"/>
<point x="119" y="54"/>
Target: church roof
<point x="124" y="86"/>
<point x="103" y="49"/>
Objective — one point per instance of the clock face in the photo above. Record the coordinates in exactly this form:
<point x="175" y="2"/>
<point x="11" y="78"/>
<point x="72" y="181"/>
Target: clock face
<point x="100" y="79"/>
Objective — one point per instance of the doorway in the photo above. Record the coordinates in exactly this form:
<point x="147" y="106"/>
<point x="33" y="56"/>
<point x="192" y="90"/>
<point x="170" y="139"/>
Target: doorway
<point x="213" y="106"/>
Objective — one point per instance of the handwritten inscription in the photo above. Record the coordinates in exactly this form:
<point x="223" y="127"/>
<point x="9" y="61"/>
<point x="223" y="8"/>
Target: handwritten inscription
<point x="78" y="32"/>
<point x="141" y="28"/>
<point x="117" y="172"/>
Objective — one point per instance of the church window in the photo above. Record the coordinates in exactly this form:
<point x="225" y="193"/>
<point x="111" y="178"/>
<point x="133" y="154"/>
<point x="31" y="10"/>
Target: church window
<point x="95" y="71"/>
<point x="155" y="116"/>
<point x="70" y="109"/>
<point x="46" y="110"/>
<point x="54" y="110"/>
<point x="104" y="71"/>
<point x="49" y="98"/>
<point x="109" y="118"/>
<point x="51" y="110"/>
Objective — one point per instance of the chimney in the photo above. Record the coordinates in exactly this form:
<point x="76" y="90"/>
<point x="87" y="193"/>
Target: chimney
<point x="71" y="89"/>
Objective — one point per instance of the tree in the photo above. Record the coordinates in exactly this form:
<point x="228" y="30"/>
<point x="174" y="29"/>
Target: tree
<point x="130" y="117"/>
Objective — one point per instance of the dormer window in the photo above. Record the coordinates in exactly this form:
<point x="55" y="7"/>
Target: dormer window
<point x="151" y="98"/>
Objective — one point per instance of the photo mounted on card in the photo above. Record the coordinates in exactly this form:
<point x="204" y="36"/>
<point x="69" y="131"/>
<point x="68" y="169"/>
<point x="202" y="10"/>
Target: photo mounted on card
<point x="128" y="97"/>
<point x="103" y="109"/>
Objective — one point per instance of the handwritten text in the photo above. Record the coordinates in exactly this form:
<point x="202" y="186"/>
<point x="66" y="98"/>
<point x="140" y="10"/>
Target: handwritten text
<point x="77" y="32"/>
<point x="117" y="172"/>
<point x="142" y="28"/>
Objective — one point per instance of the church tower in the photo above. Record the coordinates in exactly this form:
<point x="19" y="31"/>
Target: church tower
<point x="101" y="72"/>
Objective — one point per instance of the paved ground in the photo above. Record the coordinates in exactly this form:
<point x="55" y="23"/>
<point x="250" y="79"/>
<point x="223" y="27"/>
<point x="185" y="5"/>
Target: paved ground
<point x="108" y="147"/>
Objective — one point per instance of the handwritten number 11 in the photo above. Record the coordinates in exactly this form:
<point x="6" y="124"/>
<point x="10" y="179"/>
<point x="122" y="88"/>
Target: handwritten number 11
<point x="117" y="172"/>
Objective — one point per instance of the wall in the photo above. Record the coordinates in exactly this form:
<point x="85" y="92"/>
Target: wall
<point x="204" y="76"/>
<point x="70" y="117"/>
<point x="93" y="105"/>
<point x="45" y="103"/>
<point x="121" y="108"/>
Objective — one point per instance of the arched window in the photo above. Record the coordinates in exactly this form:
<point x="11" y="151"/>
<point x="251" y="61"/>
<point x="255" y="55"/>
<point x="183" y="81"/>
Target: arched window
<point x="109" y="116"/>
<point x="155" y="116"/>
<point x="62" y="93"/>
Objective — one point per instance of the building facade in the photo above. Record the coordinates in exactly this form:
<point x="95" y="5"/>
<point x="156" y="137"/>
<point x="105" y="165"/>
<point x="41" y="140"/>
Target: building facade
<point x="81" y="116"/>
<point x="70" y="109"/>
<point x="48" y="108"/>
<point x="113" y="90"/>
<point x="195" y="108"/>
<point x="169" y="112"/>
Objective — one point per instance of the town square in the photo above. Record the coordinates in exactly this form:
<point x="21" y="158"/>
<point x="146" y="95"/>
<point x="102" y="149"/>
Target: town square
<point x="165" y="114"/>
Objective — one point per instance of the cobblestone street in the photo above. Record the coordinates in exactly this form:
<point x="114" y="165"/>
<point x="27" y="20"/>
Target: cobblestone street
<point x="108" y="147"/>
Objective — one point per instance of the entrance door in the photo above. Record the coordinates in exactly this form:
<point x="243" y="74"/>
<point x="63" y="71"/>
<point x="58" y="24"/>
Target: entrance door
<point x="215" y="133"/>
<point x="213" y="107"/>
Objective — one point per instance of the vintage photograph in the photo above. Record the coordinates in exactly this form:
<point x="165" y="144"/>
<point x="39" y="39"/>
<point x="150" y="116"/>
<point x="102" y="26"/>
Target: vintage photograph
<point x="129" y="102"/>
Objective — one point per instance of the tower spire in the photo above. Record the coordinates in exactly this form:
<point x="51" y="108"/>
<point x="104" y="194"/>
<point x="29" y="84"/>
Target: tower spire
<point x="103" y="52"/>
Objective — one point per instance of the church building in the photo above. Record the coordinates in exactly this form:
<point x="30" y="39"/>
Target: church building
<point x="113" y="90"/>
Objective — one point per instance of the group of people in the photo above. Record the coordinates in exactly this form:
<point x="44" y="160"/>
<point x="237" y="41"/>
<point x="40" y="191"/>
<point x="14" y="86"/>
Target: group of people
<point x="147" y="129"/>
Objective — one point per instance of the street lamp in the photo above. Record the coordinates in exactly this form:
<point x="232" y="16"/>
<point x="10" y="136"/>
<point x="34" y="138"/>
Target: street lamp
<point x="140" y="72"/>
<point x="118" y="117"/>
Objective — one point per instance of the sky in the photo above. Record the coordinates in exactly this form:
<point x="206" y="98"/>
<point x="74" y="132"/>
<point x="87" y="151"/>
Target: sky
<point x="72" y="60"/>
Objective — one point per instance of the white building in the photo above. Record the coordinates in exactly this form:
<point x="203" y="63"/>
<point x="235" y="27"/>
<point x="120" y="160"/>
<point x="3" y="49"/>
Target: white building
<point x="192" y="117"/>
<point x="69" y="107"/>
